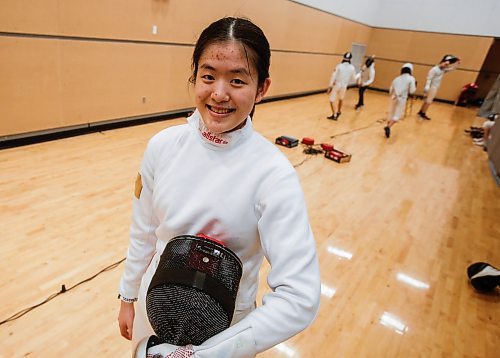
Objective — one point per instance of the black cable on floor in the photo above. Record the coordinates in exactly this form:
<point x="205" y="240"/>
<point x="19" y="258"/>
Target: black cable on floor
<point x="309" y="150"/>
<point x="54" y="295"/>
<point x="302" y="162"/>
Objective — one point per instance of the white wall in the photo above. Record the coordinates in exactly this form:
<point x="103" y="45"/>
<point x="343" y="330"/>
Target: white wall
<point x="358" y="10"/>
<point x="468" y="17"/>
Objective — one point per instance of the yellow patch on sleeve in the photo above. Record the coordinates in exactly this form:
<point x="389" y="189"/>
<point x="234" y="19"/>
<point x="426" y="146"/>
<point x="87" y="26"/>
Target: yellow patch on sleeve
<point x="138" y="186"/>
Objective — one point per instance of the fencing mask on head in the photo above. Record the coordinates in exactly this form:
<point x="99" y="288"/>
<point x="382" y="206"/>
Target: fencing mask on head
<point x="347" y="57"/>
<point x="192" y="294"/>
<point x="370" y="60"/>
<point x="450" y="58"/>
<point x="408" y="66"/>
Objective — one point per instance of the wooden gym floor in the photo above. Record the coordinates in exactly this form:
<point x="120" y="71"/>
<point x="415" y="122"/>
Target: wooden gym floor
<point x="395" y="228"/>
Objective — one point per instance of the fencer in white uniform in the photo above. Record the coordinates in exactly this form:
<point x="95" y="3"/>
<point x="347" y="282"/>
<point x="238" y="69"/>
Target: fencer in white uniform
<point x="434" y="78"/>
<point x="243" y="192"/>
<point x="217" y="177"/>
<point x="344" y="74"/>
<point x="401" y="87"/>
<point x="364" y="78"/>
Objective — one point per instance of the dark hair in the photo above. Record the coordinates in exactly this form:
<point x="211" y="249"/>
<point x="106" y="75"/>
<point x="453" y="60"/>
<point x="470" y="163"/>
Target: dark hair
<point x="450" y="58"/>
<point x="369" y="61"/>
<point x="242" y="30"/>
<point x="347" y="57"/>
<point x="406" y="70"/>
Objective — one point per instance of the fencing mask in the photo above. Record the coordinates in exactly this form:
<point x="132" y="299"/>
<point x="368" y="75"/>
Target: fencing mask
<point x="347" y="57"/>
<point x="370" y="60"/>
<point x="192" y="294"/>
<point x="450" y="58"/>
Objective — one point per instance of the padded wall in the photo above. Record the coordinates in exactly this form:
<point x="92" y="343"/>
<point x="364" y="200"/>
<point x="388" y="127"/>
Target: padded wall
<point x="74" y="63"/>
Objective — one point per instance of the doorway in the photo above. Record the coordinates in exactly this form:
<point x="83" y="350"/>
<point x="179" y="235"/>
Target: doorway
<point x="358" y="54"/>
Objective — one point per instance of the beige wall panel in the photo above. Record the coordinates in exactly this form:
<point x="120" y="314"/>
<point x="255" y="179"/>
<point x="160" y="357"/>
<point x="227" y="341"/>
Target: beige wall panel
<point x="79" y="82"/>
<point x="352" y="32"/>
<point x="176" y="20"/>
<point x="424" y="50"/>
<point x="27" y="16"/>
<point x="428" y="48"/>
<point x="301" y="28"/>
<point x="453" y="82"/>
<point x="29" y="85"/>
<point x="298" y="27"/>
<point x="296" y="72"/>
<point x="450" y="88"/>
<point x="386" y="71"/>
<point x="103" y="81"/>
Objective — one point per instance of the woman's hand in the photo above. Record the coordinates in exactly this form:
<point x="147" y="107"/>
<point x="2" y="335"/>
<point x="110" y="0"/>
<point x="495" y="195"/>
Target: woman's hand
<point x="126" y="319"/>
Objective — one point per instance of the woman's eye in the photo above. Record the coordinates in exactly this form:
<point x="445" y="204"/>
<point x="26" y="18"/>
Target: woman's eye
<point x="237" y="81"/>
<point x="207" y="77"/>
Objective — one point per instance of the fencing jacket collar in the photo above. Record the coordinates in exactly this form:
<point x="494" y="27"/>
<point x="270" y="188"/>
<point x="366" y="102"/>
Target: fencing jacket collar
<point x="219" y="141"/>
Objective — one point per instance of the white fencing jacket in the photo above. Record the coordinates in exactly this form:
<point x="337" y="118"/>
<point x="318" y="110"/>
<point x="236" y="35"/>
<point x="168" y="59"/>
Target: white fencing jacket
<point x="344" y="74"/>
<point x="402" y="86"/>
<point x="366" y="76"/>
<point x="435" y="76"/>
<point x="241" y="190"/>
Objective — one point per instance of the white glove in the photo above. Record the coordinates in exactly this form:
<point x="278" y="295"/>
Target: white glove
<point x="163" y="350"/>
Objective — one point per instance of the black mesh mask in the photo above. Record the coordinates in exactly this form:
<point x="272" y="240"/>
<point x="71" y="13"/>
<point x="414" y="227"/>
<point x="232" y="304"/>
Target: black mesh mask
<point x="192" y="294"/>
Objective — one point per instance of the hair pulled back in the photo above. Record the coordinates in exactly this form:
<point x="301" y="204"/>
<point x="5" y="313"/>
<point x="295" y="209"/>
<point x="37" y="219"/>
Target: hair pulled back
<point x="241" y="30"/>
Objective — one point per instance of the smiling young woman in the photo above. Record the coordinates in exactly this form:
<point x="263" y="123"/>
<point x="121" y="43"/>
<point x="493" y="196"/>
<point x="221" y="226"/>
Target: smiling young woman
<point x="226" y="87"/>
<point x="217" y="177"/>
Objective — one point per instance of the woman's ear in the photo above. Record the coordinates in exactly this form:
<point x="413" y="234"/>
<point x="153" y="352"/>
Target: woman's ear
<point x="261" y="91"/>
